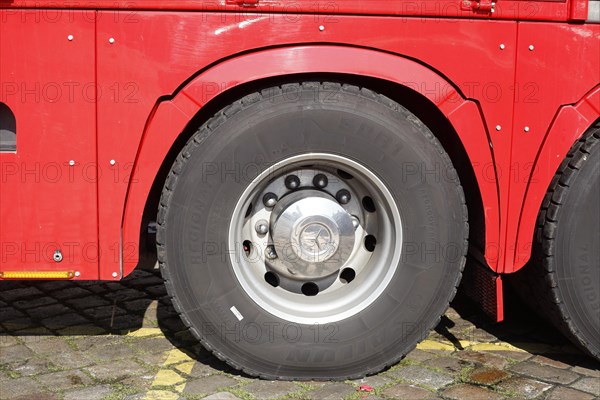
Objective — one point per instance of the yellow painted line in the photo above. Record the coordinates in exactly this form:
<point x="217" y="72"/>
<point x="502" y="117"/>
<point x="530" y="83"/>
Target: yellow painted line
<point x="521" y="347"/>
<point x="186" y="367"/>
<point x="144" y="332"/>
<point x="435" y="345"/>
<point x="176" y="356"/>
<point x="501" y="346"/>
<point x="167" y="377"/>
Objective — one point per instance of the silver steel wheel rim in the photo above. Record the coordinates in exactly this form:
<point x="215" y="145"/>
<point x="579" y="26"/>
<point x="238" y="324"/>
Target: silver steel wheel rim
<point x="284" y="250"/>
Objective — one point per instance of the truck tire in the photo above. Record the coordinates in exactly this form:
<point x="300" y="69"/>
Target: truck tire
<point x="562" y="281"/>
<point x="312" y="231"/>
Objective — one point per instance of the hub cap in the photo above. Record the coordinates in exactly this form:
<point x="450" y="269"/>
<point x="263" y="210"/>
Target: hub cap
<point x="312" y="234"/>
<point x="315" y="239"/>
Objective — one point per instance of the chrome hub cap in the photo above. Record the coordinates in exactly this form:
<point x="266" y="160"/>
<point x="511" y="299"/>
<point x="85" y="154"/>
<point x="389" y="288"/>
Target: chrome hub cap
<point x="312" y="234"/>
<point x="315" y="239"/>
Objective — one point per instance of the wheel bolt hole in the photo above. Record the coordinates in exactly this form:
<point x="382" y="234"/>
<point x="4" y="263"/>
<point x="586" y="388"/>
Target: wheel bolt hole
<point x="272" y="279"/>
<point x="247" y="245"/>
<point x="343" y="174"/>
<point x="347" y="275"/>
<point x="370" y="243"/>
<point x="368" y="204"/>
<point x="310" y="289"/>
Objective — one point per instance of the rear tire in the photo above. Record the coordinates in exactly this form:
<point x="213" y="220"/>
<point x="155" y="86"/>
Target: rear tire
<point x="562" y="281"/>
<point x="312" y="319"/>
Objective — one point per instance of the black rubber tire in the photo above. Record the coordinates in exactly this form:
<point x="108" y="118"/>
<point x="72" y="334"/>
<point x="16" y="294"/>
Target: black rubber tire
<point x="562" y="280"/>
<point x="267" y="127"/>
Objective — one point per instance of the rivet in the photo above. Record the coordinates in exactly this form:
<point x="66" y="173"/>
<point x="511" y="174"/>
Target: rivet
<point x="114" y="274"/>
<point x="72" y="162"/>
<point x="531" y="47"/>
<point x="526" y="129"/>
<point x="58" y="257"/>
<point x="111" y="40"/>
<point x="77" y="273"/>
<point x="70" y="38"/>
<point x="502" y="46"/>
<point x="321" y="28"/>
<point x="112" y="162"/>
<point x="498" y="128"/>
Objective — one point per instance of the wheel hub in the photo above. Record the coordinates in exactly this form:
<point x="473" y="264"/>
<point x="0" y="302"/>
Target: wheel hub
<point x="312" y="234"/>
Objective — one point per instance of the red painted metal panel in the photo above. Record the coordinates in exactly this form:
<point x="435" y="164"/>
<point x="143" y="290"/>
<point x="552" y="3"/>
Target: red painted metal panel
<point x="543" y="10"/>
<point x="556" y="64"/>
<point x="45" y="203"/>
<point x="568" y="126"/>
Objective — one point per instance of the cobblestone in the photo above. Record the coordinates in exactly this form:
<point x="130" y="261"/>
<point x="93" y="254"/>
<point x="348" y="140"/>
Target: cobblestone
<point x="123" y="340"/>
<point x="403" y="391"/>
<point x="545" y="372"/>
<point x="422" y="376"/>
<point x="563" y="393"/>
<point x="524" y="387"/>
<point x="590" y="385"/>
<point x="265" y="390"/>
<point x="461" y="392"/>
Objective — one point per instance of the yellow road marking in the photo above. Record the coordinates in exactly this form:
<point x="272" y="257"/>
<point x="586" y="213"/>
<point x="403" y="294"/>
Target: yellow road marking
<point x="186" y="367"/>
<point x="167" y="377"/>
<point x="143" y="332"/>
<point x="176" y="356"/>
<point x="435" y="345"/>
<point x="521" y="347"/>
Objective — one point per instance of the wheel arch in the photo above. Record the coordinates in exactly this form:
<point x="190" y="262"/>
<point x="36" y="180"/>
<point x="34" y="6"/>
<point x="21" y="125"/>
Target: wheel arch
<point x="570" y="124"/>
<point x="445" y="110"/>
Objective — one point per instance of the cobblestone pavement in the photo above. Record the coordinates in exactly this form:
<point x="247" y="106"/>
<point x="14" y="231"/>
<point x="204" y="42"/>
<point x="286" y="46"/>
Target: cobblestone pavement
<point x="91" y="340"/>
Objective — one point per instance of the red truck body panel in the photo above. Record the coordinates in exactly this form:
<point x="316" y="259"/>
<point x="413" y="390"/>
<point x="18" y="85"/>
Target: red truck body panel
<point x="112" y="88"/>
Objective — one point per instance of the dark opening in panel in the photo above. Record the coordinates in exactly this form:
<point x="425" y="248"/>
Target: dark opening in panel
<point x="8" y="129"/>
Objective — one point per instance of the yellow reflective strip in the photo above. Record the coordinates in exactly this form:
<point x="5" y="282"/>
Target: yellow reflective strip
<point x="37" y="274"/>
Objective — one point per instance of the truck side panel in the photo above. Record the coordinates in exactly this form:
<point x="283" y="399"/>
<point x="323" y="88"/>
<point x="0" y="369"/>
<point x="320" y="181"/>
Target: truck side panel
<point x="47" y="77"/>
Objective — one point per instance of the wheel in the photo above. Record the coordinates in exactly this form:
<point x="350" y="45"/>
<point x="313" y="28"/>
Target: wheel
<point x="563" y="279"/>
<point x="312" y="231"/>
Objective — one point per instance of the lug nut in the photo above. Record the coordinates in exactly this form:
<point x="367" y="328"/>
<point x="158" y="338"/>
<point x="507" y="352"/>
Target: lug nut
<point x="320" y="181"/>
<point x="292" y="182"/>
<point x="355" y="222"/>
<point x="270" y="253"/>
<point x="343" y="196"/>
<point x="270" y="199"/>
<point x="262" y="227"/>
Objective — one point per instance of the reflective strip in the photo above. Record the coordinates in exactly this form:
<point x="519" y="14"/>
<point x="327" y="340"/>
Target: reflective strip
<point x="37" y="274"/>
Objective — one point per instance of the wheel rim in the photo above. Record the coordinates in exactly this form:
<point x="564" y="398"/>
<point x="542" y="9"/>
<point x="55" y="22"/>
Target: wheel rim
<point x="316" y="238"/>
